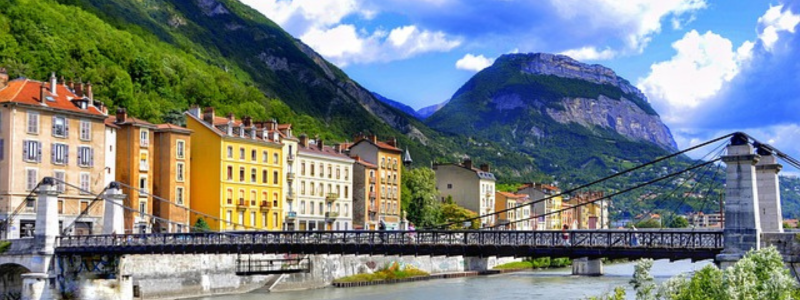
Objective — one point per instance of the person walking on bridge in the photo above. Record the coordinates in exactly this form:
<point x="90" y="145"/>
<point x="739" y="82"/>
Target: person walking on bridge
<point x="565" y="234"/>
<point x="381" y="228"/>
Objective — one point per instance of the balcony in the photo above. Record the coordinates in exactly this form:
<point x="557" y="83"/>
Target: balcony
<point x="394" y="167"/>
<point x="290" y="158"/>
<point x="383" y="165"/>
<point x="266" y="204"/>
<point x="241" y="203"/>
<point x="330" y="216"/>
<point x="383" y="180"/>
<point x="372" y="195"/>
<point x="373" y="209"/>
<point x="372" y="180"/>
<point x="143" y="193"/>
<point x="290" y="176"/>
<point x="291" y="215"/>
<point x="330" y="197"/>
<point x="290" y="196"/>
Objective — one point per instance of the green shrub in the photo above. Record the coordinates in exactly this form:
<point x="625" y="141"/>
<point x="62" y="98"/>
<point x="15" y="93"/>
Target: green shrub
<point x="4" y="246"/>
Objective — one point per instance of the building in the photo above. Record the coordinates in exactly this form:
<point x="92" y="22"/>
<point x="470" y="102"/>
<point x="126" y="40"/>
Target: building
<point x="50" y="129"/>
<point x="111" y="152"/>
<point x="519" y="215"/>
<point x="593" y="213"/>
<point x="543" y="210"/>
<point x="290" y="151"/>
<point x="325" y="198"/>
<point x="712" y="220"/>
<point x="236" y="172"/>
<point x="469" y="187"/>
<point x="387" y="157"/>
<point x="365" y="206"/>
<point x="172" y="163"/>
<point x="134" y="163"/>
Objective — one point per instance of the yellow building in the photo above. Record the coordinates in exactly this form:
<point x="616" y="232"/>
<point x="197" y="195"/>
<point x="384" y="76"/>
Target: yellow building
<point x="542" y="209"/>
<point x="388" y="158"/>
<point x="237" y="172"/>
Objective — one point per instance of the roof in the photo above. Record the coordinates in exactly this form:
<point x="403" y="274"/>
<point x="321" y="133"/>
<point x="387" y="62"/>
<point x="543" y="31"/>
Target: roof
<point x="365" y="163"/>
<point x="110" y="123"/>
<point x="481" y="173"/>
<point x="223" y="122"/>
<point x="132" y="121"/>
<point x="26" y="91"/>
<point x="541" y="186"/>
<point x="326" y="151"/>
<point x="512" y="195"/>
<point x="379" y="144"/>
<point x="167" y="127"/>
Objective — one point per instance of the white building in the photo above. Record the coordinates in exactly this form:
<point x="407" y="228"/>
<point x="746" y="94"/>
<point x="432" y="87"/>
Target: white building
<point x="325" y="187"/>
<point x="111" y="152"/>
<point x="470" y="188"/>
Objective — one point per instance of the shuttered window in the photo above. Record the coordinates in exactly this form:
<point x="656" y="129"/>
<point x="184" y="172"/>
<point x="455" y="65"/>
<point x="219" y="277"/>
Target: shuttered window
<point x="60" y="127"/>
<point x="32" y="151"/>
<point x="85" y="156"/>
<point x="86" y="130"/>
<point x="33" y="123"/>
<point x="59" y="155"/>
<point x="31" y="179"/>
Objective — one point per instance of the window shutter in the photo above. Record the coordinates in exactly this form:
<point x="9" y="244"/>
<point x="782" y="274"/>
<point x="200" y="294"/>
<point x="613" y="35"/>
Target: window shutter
<point x="80" y="156"/>
<point x="54" y="125"/>
<point x="25" y="150"/>
<point x="66" y="127"/>
<point x="91" y="157"/>
<point x="38" y="152"/>
<point x="66" y="154"/>
<point x="2" y="149"/>
<point x="53" y="152"/>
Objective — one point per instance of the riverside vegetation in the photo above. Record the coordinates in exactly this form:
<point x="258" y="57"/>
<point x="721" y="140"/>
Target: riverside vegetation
<point x="536" y="263"/>
<point x="761" y="274"/>
<point x="388" y="272"/>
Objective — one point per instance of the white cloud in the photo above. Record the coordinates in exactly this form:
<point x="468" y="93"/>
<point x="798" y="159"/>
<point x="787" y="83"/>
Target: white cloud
<point x="473" y="63"/>
<point x="774" y="22"/>
<point x="590" y="53"/>
<point x="319" y="23"/>
<point x="635" y="22"/>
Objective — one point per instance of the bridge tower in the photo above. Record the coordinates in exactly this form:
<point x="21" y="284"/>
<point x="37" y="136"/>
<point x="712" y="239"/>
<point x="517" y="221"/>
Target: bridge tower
<point x="113" y="213"/>
<point x="742" y="218"/>
<point x="35" y="284"/>
<point x="769" y="192"/>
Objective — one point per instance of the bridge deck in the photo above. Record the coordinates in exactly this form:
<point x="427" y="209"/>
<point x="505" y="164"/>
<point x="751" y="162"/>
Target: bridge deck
<point x="657" y="244"/>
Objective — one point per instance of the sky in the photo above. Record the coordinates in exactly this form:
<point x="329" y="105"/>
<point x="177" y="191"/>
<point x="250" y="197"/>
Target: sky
<point x="707" y="67"/>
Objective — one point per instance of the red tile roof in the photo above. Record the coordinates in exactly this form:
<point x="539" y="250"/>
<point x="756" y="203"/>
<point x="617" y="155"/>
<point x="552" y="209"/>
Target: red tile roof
<point x="110" y="123"/>
<point x="27" y="91"/>
<point x="379" y="144"/>
<point x="328" y="151"/>
<point x="365" y="163"/>
<point x="132" y="121"/>
<point x="512" y="195"/>
<point x="173" y="128"/>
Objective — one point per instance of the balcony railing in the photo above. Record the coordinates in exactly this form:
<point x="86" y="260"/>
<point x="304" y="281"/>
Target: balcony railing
<point x="289" y="196"/>
<point x="372" y="180"/>
<point x="143" y="193"/>
<point x="266" y="204"/>
<point x="372" y="195"/>
<point x="331" y="215"/>
<point x="241" y="203"/>
<point x="291" y="215"/>
<point x="290" y="158"/>
<point x="330" y="197"/>
<point x="290" y="176"/>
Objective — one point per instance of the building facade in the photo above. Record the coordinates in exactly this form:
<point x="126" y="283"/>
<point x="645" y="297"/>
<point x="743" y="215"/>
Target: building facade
<point x="542" y="210"/>
<point x="711" y="220"/>
<point x="236" y="173"/>
<point x="50" y="129"/>
<point x="290" y="151"/>
<point x="470" y="187"/>
<point x="172" y="163"/>
<point x="325" y="178"/>
<point x="365" y="204"/>
<point x="593" y="213"/>
<point x="518" y="216"/>
<point x="388" y="158"/>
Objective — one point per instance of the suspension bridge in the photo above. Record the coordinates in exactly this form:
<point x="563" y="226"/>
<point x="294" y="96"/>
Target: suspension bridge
<point x="752" y="220"/>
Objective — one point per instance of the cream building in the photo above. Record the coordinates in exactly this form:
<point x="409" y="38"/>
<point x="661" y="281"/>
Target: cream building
<point x="50" y="129"/>
<point x="325" y="187"/>
<point x="471" y="188"/>
<point x="290" y="151"/>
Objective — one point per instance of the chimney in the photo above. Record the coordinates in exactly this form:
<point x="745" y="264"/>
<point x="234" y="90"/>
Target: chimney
<point x="304" y="140"/>
<point x="357" y="137"/>
<point x="272" y="124"/>
<point x="373" y="138"/>
<point x="468" y="163"/>
<point x="231" y="118"/>
<point x="89" y="93"/>
<point x="393" y="142"/>
<point x="194" y="110"/>
<point x="79" y="89"/>
<point x="485" y="168"/>
<point x="248" y="121"/>
<point x="208" y="116"/>
<point x="320" y="144"/>
<point x="3" y="78"/>
<point x="53" y="83"/>
<point x="71" y="85"/>
<point x="61" y="80"/>
<point x="338" y="148"/>
<point x="42" y="93"/>
<point x="122" y="115"/>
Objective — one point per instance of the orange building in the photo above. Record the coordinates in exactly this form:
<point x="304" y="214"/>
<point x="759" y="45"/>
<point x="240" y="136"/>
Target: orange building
<point x="365" y="206"/>
<point x="518" y="217"/>
<point x="172" y="164"/>
<point x="387" y="157"/>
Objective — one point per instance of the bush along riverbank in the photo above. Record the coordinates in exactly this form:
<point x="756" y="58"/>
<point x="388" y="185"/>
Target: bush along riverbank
<point x="536" y="263"/>
<point x="389" y="274"/>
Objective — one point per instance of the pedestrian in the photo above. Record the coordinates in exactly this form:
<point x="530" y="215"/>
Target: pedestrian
<point x="565" y="234"/>
<point x="381" y="228"/>
<point x="634" y="237"/>
<point x="411" y="231"/>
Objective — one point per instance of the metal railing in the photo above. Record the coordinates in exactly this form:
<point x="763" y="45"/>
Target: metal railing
<point x="249" y="266"/>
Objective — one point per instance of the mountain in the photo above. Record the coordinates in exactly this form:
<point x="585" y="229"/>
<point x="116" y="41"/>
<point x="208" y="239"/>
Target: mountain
<point x="402" y="107"/>
<point x="543" y="104"/>
<point x="427" y="111"/>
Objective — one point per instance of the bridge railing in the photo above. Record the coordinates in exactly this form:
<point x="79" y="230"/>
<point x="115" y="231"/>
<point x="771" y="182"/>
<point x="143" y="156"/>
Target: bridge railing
<point x="683" y="239"/>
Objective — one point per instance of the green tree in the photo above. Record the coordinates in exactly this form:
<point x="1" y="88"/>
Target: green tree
<point x="678" y="222"/>
<point x="649" y="223"/>
<point x="201" y="226"/>
<point x="788" y="225"/>
<point x="453" y="213"/>
<point x="419" y="197"/>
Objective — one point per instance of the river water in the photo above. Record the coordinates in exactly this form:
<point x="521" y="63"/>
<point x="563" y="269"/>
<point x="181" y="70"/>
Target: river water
<point x="544" y="284"/>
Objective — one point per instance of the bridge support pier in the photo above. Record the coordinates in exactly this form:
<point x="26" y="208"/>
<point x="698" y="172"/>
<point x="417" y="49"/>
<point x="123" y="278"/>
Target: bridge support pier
<point x="46" y="229"/>
<point x="35" y="287"/>
<point x="113" y="214"/>
<point x="587" y="267"/>
<point x="769" y="194"/>
<point x="742" y="223"/>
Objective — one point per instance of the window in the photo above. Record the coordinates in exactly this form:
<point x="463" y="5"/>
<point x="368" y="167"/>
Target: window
<point x="449" y="186"/>
<point x="345" y="191"/>
<point x="241" y="153"/>
<point x="338" y="173"/>
<point x="229" y="194"/>
<point x="346" y="209"/>
<point x="253" y="198"/>
<point x="346" y="173"/>
<point x="253" y="175"/>
<point x="144" y="164"/>
<point x="275" y="177"/>
<point x="31" y="179"/>
<point x="59" y="155"/>
<point x="61" y="178"/>
<point x="228" y="217"/>
<point x="32" y="151"/>
<point x="60" y="206"/>
<point x="252" y="219"/>
<point x="303" y="168"/>
<point x="2" y="149"/>
<point x="263" y="218"/>
<point x="143" y="207"/>
<point x="264" y="176"/>
<point x="275" y="220"/>
<point x="320" y="209"/>
<point x="275" y="200"/>
<point x="311" y="205"/>
<point x="302" y="188"/>
<point x="265" y="156"/>
<point x="60" y="127"/>
<point x="302" y="207"/>
<point x="86" y="130"/>
<point x="180" y="148"/>
<point x="253" y="155"/>
<point x="275" y="158"/>
<point x="179" y="172"/>
<point x="144" y="137"/>
<point x="230" y="152"/>
<point x="241" y="197"/>
<point x="330" y="171"/>
<point x="33" y="123"/>
<point x="143" y="186"/>
<point x="312" y="169"/>
<point x="241" y="174"/>
<point x="85" y="189"/>
<point x="241" y="218"/>
<point x="321" y="170"/>
<point x="230" y="173"/>
<point x="179" y="195"/>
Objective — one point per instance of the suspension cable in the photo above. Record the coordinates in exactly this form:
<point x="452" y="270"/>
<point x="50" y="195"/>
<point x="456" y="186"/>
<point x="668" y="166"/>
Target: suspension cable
<point x="85" y="211"/>
<point x="7" y="223"/>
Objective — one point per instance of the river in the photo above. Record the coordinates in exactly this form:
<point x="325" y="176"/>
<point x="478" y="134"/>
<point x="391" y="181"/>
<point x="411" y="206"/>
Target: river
<point x="544" y="284"/>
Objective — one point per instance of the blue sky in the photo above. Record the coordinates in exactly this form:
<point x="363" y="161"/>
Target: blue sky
<point x="708" y="67"/>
